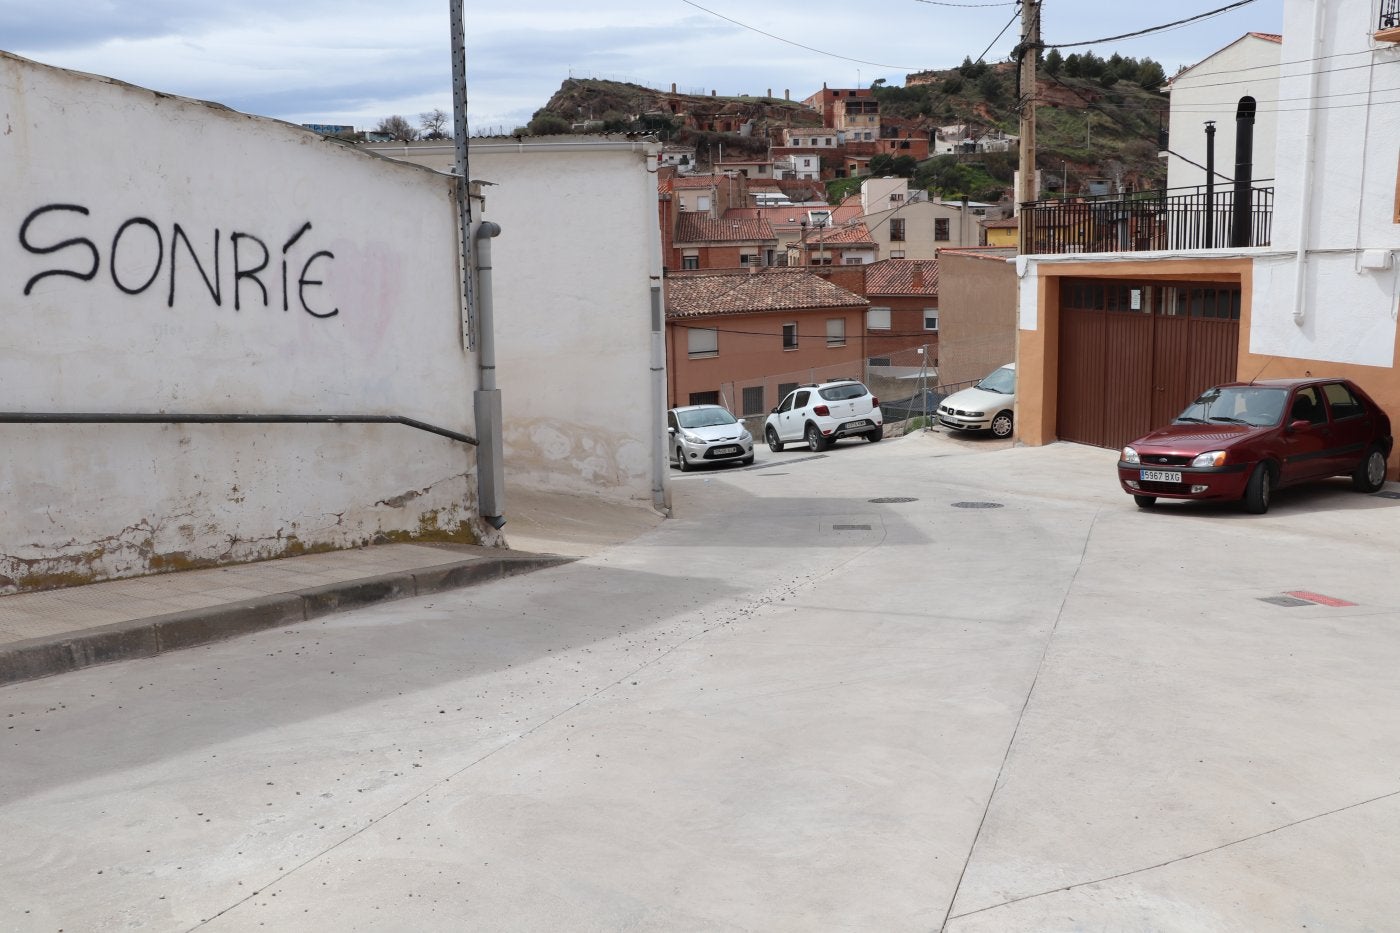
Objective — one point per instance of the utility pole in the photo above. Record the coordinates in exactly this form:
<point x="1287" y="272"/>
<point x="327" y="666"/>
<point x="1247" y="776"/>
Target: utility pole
<point x="1028" y="51"/>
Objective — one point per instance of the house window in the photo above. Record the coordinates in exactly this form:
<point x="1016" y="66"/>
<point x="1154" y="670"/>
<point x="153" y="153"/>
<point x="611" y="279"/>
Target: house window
<point x="753" y="400"/>
<point x="748" y="259"/>
<point x="835" y="332"/>
<point x="821" y="261"/>
<point x="940" y="229"/>
<point x="930" y="319"/>
<point x="852" y="261"/>
<point x="784" y="388"/>
<point x="896" y="198"/>
<point x="702" y="203"/>
<point x="877" y="319"/>
<point x="702" y="342"/>
<point x="896" y="254"/>
<point x="896" y="228"/>
<point x="704" y="398"/>
<point x="690" y="262"/>
<point x="790" y="336"/>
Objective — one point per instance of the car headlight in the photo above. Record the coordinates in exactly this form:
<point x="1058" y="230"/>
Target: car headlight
<point x="745" y="436"/>
<point x="1211" y="458"/>
<point x="692" y="438"/>
<point x="977" y="414"/>
<point x="1130" y="456"/>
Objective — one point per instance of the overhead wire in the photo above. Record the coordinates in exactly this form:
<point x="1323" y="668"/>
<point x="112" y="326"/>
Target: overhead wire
<point x="859" y="61"/>
<point x="1151" y="29"/>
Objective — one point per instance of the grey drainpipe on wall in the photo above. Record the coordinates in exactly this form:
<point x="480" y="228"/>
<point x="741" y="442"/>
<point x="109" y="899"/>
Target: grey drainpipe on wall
<point x="490" y="463"/>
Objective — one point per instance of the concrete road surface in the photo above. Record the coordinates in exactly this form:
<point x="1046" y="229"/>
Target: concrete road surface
<point x="928" y="684"/>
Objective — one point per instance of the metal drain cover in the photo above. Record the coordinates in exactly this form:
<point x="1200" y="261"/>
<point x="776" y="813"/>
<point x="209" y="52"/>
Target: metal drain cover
<point x="977" y="505"/>
<point x="850" y="528"/>
<point x="883" y="499"/>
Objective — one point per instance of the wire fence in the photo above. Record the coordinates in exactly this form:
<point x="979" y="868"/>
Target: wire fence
<point x="905" y="382"/>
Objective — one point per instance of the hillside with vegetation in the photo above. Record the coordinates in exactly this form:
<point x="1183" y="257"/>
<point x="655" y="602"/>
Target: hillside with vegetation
<point x="1097" y="119"/>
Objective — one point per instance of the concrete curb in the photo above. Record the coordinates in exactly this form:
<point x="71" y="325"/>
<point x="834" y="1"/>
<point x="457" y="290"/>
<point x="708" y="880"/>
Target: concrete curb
<point x="144" y="638"/>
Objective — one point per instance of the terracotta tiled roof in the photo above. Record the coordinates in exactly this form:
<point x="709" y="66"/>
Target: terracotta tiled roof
<point x="1268" y="36"/>
<point x="856" y="234"/>
<point x="849" y="209"/>
<point x="902" y="277"/>
<point x="776" y="289"/>
<point x="701" y="228"/>
<point x="1006" y="223"/>
<point x="789" y="215"/>
<point x="993" y="253"/>
<point x="700" y="181"/>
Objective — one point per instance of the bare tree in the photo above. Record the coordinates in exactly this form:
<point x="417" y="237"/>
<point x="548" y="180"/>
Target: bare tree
<point x="434" y="123"/>
<point x="398" y="128"/>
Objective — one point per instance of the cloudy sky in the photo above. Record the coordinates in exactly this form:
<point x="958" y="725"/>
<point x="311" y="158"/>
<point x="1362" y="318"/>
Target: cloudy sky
<point x="355" y="62"/>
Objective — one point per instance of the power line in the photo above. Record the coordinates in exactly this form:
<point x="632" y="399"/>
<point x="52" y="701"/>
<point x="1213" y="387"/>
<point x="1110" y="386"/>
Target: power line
<point x="999" y="35"/>
<point x="1151" y="29"/>
<point x="858" y="61"/>
<point x="1300" y="74"/>
<point x="969" y="5"/>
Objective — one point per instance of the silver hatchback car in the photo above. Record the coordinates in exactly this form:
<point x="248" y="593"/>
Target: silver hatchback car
<point x="698" y="435"/>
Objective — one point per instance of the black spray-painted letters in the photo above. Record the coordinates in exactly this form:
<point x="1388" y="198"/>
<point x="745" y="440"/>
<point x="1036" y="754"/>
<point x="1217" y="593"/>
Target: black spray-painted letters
<point x="59" y="228"/>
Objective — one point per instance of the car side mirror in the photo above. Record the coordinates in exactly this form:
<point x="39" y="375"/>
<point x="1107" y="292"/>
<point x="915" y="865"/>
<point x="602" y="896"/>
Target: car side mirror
<point x="670" y="430"/>
<point x="773" y="412"/>
<point x="1297" y="424"/>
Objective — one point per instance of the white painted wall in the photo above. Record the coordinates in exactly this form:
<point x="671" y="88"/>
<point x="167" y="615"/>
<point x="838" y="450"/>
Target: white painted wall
<point x="580" y="240"/>
<point x="365" y="320"/>
<point x="1211" y="90"/>
<point x="1336" y="193"/>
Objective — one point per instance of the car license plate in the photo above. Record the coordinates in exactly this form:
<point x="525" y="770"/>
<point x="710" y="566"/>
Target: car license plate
<point x="858" y="424"/>
<point x="725" y="451"/>
<point x="1159" y="476"/>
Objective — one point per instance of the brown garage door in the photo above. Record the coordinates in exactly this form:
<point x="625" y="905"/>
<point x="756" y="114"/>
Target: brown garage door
<point x="1134" y="354"/>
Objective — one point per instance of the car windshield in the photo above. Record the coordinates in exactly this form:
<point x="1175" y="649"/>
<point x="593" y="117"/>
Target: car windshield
<point x="842" y="392"/>
<point x="1002" y="382"/>
<point x="1256" y="406"/>
<point x="704" y="417"/>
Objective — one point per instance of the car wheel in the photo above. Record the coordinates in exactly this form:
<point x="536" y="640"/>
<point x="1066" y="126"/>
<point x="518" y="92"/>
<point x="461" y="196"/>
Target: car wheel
<point x="1145" y="502"/>
<point x="1002" y="424"/>
<point x="875" y="435"/>
<point x="815" y="441"/>
<point x="1369" y="475"/>
<point x="747" y="461"/>
<point x="1256" y="492"/>
<point x="774" y="444"/>
<point x="685" y="464"/>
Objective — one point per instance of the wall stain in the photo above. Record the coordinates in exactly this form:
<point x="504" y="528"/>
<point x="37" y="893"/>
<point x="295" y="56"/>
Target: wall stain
<point x="133" y="551"/>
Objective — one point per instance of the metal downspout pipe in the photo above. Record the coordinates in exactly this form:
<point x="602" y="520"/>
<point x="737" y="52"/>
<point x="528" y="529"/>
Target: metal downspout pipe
<point x="660" y="467"/>
<point x="490" y="462"/>
<point x="1300" y="262"/>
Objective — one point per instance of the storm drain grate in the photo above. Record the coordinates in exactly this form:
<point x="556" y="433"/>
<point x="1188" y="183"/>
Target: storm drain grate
<point x="1285" y="601"/>
<point x="850" y="528"/>
<point x="1389" y="495"/>
<point x="977" y="505"/>
<point x="885" y="499"/>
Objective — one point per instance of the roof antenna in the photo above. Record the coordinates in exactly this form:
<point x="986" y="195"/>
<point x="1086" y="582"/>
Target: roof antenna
<point x="1261" y="369"/>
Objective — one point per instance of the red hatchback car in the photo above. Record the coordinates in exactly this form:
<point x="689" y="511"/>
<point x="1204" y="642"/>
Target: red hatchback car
<point x="1245" y="439"/>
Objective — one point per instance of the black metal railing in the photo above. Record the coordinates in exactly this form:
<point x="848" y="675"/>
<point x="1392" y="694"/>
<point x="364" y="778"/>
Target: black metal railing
<point x="1390" y="14"/>
<point x="1174" y="219"/>
<point x="14" y="417"/>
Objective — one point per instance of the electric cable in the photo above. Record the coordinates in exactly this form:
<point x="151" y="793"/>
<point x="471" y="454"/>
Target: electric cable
<point x="1151" y="29"/>
<point x="799" y="45"/>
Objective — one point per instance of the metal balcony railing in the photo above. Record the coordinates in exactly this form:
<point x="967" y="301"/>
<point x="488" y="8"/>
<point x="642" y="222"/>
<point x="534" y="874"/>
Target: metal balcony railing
<point x="1390" y="14"/>
<point x="1165" y="219"/>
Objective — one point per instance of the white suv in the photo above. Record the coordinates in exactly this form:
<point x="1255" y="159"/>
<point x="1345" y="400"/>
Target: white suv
<point x="823" y="414"/>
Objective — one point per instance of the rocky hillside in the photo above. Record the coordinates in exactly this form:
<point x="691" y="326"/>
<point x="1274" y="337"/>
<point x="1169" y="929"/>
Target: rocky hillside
<point x="1096" y="118"/>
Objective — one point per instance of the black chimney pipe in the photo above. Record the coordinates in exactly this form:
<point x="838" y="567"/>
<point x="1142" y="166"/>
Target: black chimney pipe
<point x="1244" y="173"/>
<point x="1210" y="185"/>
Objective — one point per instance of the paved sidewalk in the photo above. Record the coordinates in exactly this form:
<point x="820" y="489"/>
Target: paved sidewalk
<point x="63" y="630"/>
<point x="67" y="629"/>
